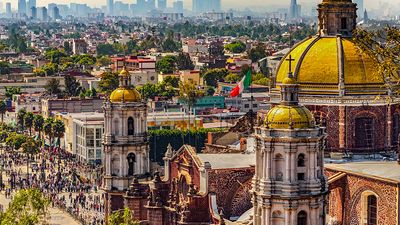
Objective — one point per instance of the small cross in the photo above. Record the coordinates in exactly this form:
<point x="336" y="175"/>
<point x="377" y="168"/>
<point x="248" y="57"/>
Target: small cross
<point x="290" y="59"/>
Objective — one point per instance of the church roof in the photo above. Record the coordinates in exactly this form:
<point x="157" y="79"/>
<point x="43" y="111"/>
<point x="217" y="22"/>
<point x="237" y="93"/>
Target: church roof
<point x="323" y="64"/>
<point x="381" y="170"/>
<point x="228" y="161"/>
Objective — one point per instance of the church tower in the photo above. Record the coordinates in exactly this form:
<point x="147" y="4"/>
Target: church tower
<point x="289" y="186"/>
<point x="337" y="17"/>
<point x="126" y="150"/>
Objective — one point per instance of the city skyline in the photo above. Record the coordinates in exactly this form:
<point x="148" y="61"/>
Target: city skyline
<point x="226" y="4"/>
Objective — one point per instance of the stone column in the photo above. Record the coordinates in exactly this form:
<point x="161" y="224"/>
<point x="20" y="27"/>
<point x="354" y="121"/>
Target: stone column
<point x="287" y="217"/>
<point x="342" y="127"/>
<point x="293" y="166"/>
<point x="287" y="164"/>
<point x="263" y="216"/>
<point x="269" y="216"/>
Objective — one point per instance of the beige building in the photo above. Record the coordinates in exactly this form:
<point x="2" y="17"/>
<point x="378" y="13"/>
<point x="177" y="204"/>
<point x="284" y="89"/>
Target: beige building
<point x="191" y="75"/>
<point x="71" y="105"/>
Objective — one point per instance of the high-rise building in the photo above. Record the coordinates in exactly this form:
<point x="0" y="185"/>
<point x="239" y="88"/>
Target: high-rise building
<point x="201" y="6"/>
<point x="8" y="9"/>
<point x="162" y="4"/>
<point x="110" y="7"/>
<point x="31" y="3"/>
<point x="42" y="13"/>
<point x="22" y="6"/>
<point x="294" y="9"/>
<point x="360" y="8"/>
<point x="215" y="6"/>
<point x="33" y="13"/>
<point x="55" y="13"/>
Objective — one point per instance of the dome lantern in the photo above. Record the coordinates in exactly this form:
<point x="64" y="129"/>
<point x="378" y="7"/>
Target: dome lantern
<point x="125" y="92"/>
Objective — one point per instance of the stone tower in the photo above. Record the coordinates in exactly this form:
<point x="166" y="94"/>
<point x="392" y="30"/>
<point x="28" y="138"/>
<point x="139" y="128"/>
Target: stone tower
<point x="337" y="17"/>
<point x="289" y="186"/>
<point x="126" y="150"/>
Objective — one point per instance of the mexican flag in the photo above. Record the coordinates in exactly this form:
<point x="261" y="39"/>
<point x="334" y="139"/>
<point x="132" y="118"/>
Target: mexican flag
<point x="242" y="85"/>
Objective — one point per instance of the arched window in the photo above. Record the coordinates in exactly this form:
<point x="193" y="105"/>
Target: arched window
<point x="302" y="218"/>
<point x="279" y="167"/>
<point x="301" y="160"/>
<point x="130" y="126"/>
<point x="116" y="127"/>
<point x="183" y="188"/>
<point x="131" y="164"/>
<point x="372" y="210"/>
<point x="364" y="132"/>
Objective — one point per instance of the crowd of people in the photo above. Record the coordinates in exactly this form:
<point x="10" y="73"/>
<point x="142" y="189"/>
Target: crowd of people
<point x="64" y="186"/>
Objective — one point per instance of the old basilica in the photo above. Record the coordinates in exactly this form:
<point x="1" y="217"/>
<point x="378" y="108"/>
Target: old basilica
<point x="326" y="98"/>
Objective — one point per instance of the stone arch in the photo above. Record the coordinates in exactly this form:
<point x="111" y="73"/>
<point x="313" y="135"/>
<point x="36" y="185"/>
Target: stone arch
<point x="335" y="205"/>
<point x="116" y="126"/>
<point x="369" y="198"/>
<point x="115" y="165"/>
<point x="131" y="160"/>
<point x="131" y="126"/>
<point x="302" y="218"/>
<point x="355" y="207"/>
<point x="279" y="166"/>
<point x="241" y="201"/>
<point x="301" y="160"/>
<point x="365" y="125"/>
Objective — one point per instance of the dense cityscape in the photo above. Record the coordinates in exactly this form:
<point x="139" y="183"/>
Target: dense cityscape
<point x="199" y="112"/>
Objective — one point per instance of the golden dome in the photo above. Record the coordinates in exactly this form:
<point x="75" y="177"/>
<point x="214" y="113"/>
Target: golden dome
<point x="124" y="73"/>
<point x="288" y="80"/>
<point x="322" y="62"/>
<point x="289" y="117"/>
<point x="125" y="95"/>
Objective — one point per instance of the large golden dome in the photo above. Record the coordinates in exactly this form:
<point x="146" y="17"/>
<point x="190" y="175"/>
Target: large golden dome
<point x="289" y="117"/>
<point x="122" y="94"/>
<point x="323" y="65"/>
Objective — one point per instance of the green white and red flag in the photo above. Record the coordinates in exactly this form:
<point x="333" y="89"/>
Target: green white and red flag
<point x="242" y="85"/>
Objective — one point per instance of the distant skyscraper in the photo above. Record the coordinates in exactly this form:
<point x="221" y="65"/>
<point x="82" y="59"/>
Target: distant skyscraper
<point x="201" y="6"/>
<point x="8" y="9"/>
<point x="21" y="6"/>
<point x="294" y="9"/>
<point x="33" y="13"/>
<point x="360" y="8"/>
<point x="31" y="3"/>
<point x="215" y="5"/>
<point x="110" y="7"/>
<point x="178" y="6"/>
<point x="366" y="18"/>
<point x="162" y="4"/>
<point x="42" y="13"/>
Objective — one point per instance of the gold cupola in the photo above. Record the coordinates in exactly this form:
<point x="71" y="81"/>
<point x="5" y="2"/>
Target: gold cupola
<point x="125" y="92"/>
<point x="289" y="114"/>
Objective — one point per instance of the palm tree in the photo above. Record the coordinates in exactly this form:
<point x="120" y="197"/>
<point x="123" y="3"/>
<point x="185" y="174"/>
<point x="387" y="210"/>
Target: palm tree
<point x="58" y="130"/>
<point x="28" y="121"/>
<point x="20" y="118"/>
<point x="30" y="147"/>
<point x="48" y="130"/>
<point x="38" y="123"/>
<point x="3" y="109"/>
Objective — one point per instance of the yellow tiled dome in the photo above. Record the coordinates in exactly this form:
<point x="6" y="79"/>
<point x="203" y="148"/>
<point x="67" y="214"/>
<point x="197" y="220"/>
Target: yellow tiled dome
<point x="321" y="62"/>
<point x="125" y="95"/>
<point x="289" y="117"/>
<point x="124" y="72"/>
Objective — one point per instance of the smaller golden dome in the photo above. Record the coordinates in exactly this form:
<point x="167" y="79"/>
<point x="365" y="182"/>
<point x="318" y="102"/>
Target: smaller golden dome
<point x="289" y="117"/>
<point x="125" y="95"/>
<point x="124" y="73"/>
<point x="288" y="80"/>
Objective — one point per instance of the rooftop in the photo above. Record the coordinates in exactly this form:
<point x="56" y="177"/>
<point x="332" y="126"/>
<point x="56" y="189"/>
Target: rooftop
<point x="228" y="161"/>
<point x="378" y="169"/>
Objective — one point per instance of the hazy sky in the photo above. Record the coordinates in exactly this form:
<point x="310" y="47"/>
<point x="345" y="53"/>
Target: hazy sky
<point x="260" y="4"/>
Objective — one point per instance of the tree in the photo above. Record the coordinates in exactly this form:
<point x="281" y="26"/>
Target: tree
<point x="58" y="129"/>
<point x="169" y="45"/>
<point x="105" y="49"/>
<point x="103" y="61"/>
<point x="10" y="91"/>
<point x="171" y="81"/>
<point x="3" y="109"/>
<point x="236" y="47"/>
<point x="211" y="77"/>
<point x="184" y="62"/>
<point x="122" y="217"/>
<point x="72" y="86"/>
<point x="108" y="83"/>
<point x="67" y="48"/>
<point x="188" y="94"/>
<point x="131" y="46"/>
<point x="54" y="55"/>
<point x="28" y="121"/>
<point x="210" y="91"/>
<point x="383" y="46"/>
<point x="15" y="140"/>
<point x="166" y="65"/>
<point x="38" y="123"/>
<point x="28" y="207"/>
<point x="48" y="130"/>
<point x="20" y="118"/>
<point x="53" y="87"/>
<point x="30" y="147"/>
<point x="232" y="78"/>
<point x="257" y="53"/>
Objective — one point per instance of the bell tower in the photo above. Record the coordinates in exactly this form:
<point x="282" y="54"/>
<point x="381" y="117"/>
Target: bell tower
<point x="125" y="145"/>
<point x="289" y="186"/>
<point x="337" y="17"/>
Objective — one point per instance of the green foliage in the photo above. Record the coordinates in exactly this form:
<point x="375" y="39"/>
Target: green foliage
<point x="15" y="140"/>
<point x="166" y="65"/>
<point x="54" y="55"/>
<point x="169" y="45"/>
<point x="10" y="91"/>
<point x="103" y="61"/>
<point x="183" y="62"/>
<point x="159" y="140"/>
<point x="28" y="121"/>
<point x="38" y="122"/>
<point x="122" y="217"/>
<point x="105" y="49"/>
<point x="84" y="60"/>
<point x="211" y="77"/>
<point x="28" y="207"/>
<point x="263" y="81"/>
<point x="72" y="86"/>
<point x="210" y="91"/>
<point x="236" y="47"/>
<point x="108" y="83"/>
<point x="20" y="118"/>
<point x="4" y="67"/>
<point x="67" y="48"/>
<point x="257" y="53"/>
<point x="189" y="93"/>
<point x="148" y="43"/>
<point x="232" y="78"/>
<point x="150" y="91"/>
<point x="171" y="81"/>
<point x="30" y="146"/>
<point x="58" y="128"/>
<point x="53" y="87"/>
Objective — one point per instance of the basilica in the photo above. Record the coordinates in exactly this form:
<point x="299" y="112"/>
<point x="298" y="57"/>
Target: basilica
<point x="326" y="97"/>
